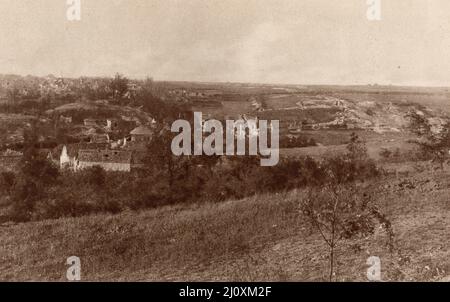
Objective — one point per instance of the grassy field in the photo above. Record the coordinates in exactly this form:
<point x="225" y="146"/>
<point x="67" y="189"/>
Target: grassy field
<point x="256" y="239"/>
<point x="335" y="143"/>
<point x="341" y="137"/>
<point x="276" y="102"/>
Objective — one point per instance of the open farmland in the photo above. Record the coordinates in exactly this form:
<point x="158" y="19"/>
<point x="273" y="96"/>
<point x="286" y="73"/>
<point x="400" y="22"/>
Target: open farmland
<point x="435" y="100"/>
<point x="374" y="148"/>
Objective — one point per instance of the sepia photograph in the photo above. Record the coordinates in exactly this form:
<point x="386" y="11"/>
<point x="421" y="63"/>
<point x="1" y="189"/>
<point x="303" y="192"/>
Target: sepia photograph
<point x="225" y="141"/>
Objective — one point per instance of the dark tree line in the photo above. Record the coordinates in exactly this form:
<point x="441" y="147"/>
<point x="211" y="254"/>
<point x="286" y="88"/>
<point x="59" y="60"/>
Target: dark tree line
<point x="38" y="190"/>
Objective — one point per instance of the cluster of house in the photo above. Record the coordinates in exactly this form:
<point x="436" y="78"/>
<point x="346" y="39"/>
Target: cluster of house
<point x="123" y="155"/>
<point x="110" y="124"/>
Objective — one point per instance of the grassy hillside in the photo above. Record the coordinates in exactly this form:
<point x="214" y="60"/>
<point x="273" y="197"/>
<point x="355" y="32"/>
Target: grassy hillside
<point x="258" y="238"/>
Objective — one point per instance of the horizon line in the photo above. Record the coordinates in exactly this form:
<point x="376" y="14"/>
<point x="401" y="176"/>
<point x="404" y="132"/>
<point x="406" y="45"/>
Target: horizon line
<point x="216" y="82"/>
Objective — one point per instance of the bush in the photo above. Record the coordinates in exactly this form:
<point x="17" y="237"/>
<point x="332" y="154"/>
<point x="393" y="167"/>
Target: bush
<point x="7" y="181"/>
<point x="25" y="195"/>
<point x="95" y="175"/>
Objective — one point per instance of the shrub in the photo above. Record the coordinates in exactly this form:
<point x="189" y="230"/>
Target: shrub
<point x="7" y="181"/>
<point x="95" y="175"/>
<point x="25" y="195"/>
<point x="341" y="212"/>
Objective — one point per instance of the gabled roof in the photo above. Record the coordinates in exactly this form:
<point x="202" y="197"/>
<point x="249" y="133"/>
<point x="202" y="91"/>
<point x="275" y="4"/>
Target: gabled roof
<point x="142" y="130"/>
<point x="104" y="156"/>
<point x="72" y="149"/>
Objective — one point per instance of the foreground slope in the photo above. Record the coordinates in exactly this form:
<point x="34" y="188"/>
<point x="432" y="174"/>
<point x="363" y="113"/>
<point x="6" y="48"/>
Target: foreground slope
<point x="258" y="238"/>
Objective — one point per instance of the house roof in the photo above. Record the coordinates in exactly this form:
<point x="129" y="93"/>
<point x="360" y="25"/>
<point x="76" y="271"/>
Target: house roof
<point x="72" y="149"/>
<point x="142" y="130"/>
<point x="104" y="156"/>
<point x="10" y="152"/>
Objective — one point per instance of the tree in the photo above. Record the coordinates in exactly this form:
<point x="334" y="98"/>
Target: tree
<point x="13" y="95"/>
<point x="31" y="140"/>
<point x="34" y="165"/>
<point x="7" y="181"/>
<point x="160" y="157"/>
<point x="148" y="86"/>
<point x="163" y="110"/>
<point x="356" y="149"/>
<point x="96" y="175"/>
<point x="36" y="174"/>
<point x="119" y="86"/>
<point x="25" y="195"/>
<point x="337" y="209"/>
<point x="434" y="142"/>
<point x="341" y="212"/>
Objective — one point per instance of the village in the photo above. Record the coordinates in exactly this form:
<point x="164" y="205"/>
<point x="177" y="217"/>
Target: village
<point x="125" y="154"/>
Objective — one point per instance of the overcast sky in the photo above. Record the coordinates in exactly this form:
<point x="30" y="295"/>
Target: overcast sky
<point x="280" y="41"/>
